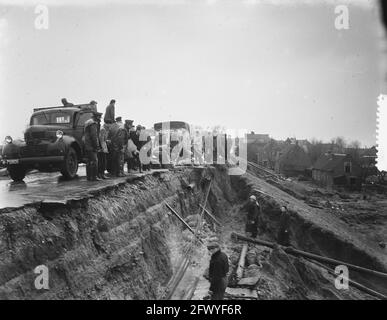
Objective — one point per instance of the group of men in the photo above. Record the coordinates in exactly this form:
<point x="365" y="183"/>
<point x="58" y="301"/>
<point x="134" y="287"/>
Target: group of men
<point x="114" y="142"/>
<point x="255" y="221"/>
<point x="219" y="266"/>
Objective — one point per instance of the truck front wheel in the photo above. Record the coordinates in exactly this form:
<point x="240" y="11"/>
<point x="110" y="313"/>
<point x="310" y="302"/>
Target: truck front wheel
<point x="70" y="164"/>
<point x="17" y="172"/>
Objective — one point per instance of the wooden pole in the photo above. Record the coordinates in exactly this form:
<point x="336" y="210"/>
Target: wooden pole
<point x="191" y="291"/>
<point x="241" y="263"/>
<point x="311" y="255"/>
<point x="173" y="278"/>
<point x="182" y="220"/>
<point x="179" y="276"/>
<point x="210" y="215"/>
<point x="353" y="283"/>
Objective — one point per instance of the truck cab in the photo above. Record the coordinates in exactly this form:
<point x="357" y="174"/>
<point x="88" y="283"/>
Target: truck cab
<point x="53" y="141"/>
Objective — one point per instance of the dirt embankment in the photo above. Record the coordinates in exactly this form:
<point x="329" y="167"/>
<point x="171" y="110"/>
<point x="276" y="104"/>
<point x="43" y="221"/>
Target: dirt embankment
<point x="120" y="244"/>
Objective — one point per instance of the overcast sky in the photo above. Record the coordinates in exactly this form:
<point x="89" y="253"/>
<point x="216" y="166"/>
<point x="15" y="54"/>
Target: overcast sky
<point x="278" y="69"/>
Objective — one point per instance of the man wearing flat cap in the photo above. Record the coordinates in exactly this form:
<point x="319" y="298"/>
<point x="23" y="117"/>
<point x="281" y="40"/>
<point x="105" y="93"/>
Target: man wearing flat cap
<point x="218" y="270"/>
<point x="118" y="137"/>
<point x="253" y="215"/>
<point x="93" y="106"/>
<point x="123" y="137"/>
<point x="92" y="146"/>
<point x="128" y="124"/>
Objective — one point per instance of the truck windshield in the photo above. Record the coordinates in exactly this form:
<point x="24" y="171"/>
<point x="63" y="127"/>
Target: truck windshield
<point x="173" y="125"/>
<point x="50" y="118"/>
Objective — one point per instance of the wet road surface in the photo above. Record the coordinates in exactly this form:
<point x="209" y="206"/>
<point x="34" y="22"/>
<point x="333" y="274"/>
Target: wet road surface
<point x="52" y="188"/>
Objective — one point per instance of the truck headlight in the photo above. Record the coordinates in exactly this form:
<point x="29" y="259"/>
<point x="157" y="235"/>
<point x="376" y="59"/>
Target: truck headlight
<point x="8" y="139"/>
<point x="59" y="134"/>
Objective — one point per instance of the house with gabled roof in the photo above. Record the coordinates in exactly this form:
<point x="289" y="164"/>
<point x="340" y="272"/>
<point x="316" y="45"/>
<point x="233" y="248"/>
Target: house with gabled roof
<point x="292" y="161"/>
<point x="337" y="169"/>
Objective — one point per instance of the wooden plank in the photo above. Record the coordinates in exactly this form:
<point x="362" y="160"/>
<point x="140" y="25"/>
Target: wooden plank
<point x="316" y="257"/>
<point x="182" y="220"/>
<point x="210" y="215"/>
<point x="241" y="263"/>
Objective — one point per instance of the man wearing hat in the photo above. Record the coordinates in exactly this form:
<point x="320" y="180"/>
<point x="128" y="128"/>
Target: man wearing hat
<point x="103" y="151"/>
<point x="93" y="106"/>
<point x="283" y="235"/>
<point x="117" y="136"/>
<point x="253" y="214"/>
<point x="128" y="125"/>
<point x="92" y="146"/>
<point x="217" y="271"/>
<point x="123" y="137"/>
<point x="136" y="140"/>
<point x="131" y="152"/>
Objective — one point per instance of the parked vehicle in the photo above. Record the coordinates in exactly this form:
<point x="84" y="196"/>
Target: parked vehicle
<point x="53" y="141"/>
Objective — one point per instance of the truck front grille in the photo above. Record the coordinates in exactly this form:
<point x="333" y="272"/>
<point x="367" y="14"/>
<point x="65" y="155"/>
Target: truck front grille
<point x="38" y="135"/>
<point x="34" y="150"/>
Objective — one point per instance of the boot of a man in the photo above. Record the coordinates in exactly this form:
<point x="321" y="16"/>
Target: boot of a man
<point x="88" y="173"/>
<point x="95" y="173"/>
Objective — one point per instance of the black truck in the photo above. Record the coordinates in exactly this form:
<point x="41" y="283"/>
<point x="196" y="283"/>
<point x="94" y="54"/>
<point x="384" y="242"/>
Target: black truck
<point x="53" y="141"/>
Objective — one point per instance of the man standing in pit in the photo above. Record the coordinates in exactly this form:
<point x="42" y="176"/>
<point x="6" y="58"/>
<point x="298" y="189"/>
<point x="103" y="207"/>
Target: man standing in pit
<point x="253" y="214"/>
<point x="283" y="236"/>
<point x="92" y="146"/>
<point x="217" y="272"/>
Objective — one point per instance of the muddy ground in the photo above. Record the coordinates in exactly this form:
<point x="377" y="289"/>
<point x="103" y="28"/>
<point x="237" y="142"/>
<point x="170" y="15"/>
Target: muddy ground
<point x="122" y="242"/>
<point x="272" y="274"/>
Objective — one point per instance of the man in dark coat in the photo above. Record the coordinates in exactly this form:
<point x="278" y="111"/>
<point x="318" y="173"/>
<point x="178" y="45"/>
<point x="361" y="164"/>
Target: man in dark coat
<point x="103" y="151"/>
<point x="123" y="137"/>
<point x="110" y="112"/>
<point x="129" y="153"/>
<point x="253" y="214"/>
<point x="217" y="272"/>
<point x="142" y="143"/>
<point x="117" y="136"/>
<point x="113" y="149"/>
<point x="92" y="146"/>
<point x="135" y="161"/>
<point x="93" y="105"/>
<point x="283" y="236"/>
<point x="138" y="143"/>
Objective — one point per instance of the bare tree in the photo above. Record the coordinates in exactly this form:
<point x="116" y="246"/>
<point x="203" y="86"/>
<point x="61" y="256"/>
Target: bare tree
<point x="354" y="144"/>
<point x="340" y="143"/>
<point x="315" y="150"/>
<point x="271" y="149"/>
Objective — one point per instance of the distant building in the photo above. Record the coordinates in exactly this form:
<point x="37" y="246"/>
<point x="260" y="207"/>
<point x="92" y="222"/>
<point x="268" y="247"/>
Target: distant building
<point x="257" y="138"/>
<point x="330" y="147"/>
<point x="304" y="144"/>
<point x="255" y="145"/>
<point x="293" y="160"/>
<point x="334" y="169"/>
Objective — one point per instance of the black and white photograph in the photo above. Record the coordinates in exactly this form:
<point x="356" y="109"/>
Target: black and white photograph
<point x="193" y="151"/>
